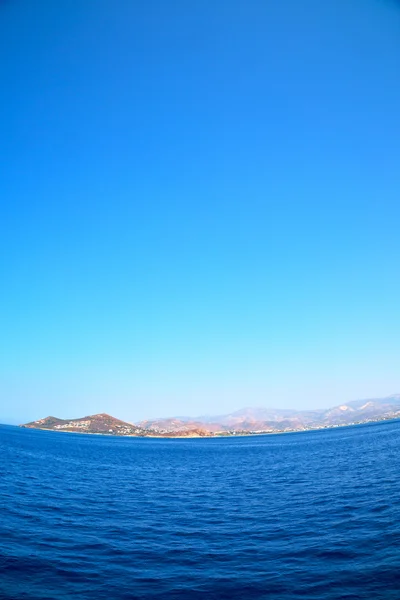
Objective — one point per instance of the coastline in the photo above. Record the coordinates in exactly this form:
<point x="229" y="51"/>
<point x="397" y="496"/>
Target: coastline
<point x="216" y="435"/>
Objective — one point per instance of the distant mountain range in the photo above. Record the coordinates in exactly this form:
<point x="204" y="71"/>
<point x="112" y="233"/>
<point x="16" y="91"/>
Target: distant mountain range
<point x="244" y="421"/>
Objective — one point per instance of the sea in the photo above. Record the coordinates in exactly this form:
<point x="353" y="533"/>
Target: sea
<point x="312" y="515"/>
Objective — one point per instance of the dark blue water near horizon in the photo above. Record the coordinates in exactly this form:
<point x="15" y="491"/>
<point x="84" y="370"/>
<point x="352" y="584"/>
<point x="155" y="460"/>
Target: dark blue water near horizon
<point x="311" y="515"/>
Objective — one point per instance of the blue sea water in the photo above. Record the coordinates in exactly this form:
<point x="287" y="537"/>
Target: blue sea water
<point x="305" y="515"/>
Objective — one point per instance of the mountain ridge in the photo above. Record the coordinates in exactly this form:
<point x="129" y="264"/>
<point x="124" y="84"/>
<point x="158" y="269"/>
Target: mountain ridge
<point x="262" y="418"/>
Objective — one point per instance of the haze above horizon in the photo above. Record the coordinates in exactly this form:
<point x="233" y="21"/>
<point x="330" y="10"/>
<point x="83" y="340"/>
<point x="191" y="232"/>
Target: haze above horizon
<point x="200" y="206"/>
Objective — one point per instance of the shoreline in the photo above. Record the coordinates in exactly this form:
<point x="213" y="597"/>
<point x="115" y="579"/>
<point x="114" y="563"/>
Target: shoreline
<point x="212" y="436"/>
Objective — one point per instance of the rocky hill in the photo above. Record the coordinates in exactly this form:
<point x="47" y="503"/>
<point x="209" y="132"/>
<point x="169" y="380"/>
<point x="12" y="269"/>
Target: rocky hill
<point x="101" y="423"/>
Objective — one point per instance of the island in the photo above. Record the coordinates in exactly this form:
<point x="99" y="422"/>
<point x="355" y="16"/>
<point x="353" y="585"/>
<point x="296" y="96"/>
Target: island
<point x="246" y="421"/>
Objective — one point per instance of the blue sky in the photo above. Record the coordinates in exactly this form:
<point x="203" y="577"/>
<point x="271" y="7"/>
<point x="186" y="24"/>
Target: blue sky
<point x="199" y="206"/>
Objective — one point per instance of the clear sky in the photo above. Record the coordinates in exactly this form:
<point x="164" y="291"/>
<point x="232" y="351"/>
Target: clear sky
<point x="200" y="205"/>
